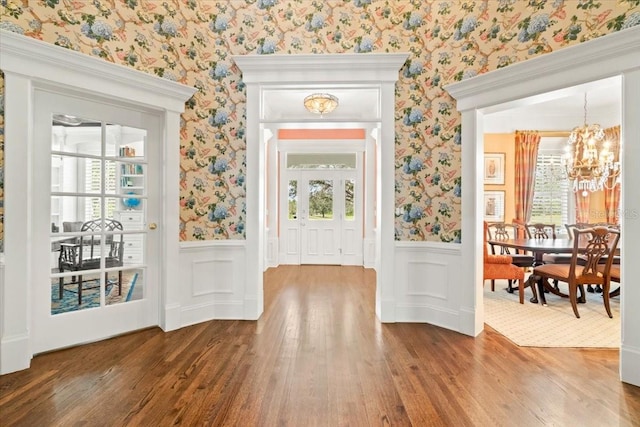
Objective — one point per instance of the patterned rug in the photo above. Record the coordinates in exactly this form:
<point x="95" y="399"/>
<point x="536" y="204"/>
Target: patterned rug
<point x="91" y="297"/>
<point x="533" y="325"/>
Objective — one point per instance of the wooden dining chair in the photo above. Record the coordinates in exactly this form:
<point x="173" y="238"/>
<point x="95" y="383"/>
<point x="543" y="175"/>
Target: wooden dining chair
<point x="541" y="231"/>
<point x="614" y="276"/>
<point x="577" y="225"/>
<point x="500" y="267"/>
<point x="502" y="231"/>
<point x="566" y="258"/>
<point x="591" y="245"/>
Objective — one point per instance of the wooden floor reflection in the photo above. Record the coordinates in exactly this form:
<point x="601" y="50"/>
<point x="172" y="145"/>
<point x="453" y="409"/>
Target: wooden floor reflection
<point x="318" y="356"/>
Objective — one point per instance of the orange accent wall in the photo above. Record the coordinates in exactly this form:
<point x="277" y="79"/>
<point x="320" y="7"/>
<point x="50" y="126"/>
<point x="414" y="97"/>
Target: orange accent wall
<point x="504" y="143"/>
<point x="321" y="134"/>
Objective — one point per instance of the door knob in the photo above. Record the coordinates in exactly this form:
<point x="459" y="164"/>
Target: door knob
<point x="153" y="226"/>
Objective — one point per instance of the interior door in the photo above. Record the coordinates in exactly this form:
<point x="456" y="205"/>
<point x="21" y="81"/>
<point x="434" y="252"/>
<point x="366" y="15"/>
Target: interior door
<point x="94" y="226"/>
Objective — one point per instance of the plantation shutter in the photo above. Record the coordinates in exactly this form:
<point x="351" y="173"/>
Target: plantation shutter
<point x="93" y="182"/>
<point x="551" y="193"/>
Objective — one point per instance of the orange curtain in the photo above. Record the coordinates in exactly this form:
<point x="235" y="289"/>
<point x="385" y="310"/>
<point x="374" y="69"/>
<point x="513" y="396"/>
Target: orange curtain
<point x="582" y="206"/>
<point x="527" y="144"/>
<point x="612" y="195"/>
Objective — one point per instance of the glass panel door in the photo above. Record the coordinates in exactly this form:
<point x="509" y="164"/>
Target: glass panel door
<point x="97" y="193"/>
<point x="92" y="217"/>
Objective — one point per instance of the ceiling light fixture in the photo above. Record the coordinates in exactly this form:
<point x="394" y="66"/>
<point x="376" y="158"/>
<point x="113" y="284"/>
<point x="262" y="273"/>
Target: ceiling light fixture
<point x="65" y="119"/>
<point x="320" y="103"/>
<point x="588" y="161"/>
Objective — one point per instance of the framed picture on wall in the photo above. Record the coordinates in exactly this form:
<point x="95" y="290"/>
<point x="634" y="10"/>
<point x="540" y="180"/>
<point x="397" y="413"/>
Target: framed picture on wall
<point x="494" y="168"/>
<point x="494" y="206"/>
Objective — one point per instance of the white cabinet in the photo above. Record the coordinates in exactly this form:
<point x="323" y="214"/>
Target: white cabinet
<point x="133" y="243"/>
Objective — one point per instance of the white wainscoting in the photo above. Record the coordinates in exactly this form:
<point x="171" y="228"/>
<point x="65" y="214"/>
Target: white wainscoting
<point x="427" y="285"/>
<point x="369" y="253"/>
<point x="213" y="276"/>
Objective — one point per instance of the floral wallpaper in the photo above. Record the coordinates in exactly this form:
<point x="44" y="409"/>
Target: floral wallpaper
<point x="191" y="41"/>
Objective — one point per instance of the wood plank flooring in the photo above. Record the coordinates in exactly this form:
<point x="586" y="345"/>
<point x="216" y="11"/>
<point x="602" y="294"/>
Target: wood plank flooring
<point x="318" y="357"/>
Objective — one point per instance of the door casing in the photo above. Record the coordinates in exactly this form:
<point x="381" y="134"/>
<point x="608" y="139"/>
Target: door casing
<point x="29" y="64"/>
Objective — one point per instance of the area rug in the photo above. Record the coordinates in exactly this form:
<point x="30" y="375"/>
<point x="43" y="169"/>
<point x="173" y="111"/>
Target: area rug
<point x="91" y="297"/>
<point x="534" y="325"/>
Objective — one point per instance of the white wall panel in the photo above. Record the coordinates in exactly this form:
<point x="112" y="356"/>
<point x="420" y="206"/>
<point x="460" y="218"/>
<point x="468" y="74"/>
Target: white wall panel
<point x="213" y="275"/>
<point x="427" y="278"/>
<point x="426" y="283"/>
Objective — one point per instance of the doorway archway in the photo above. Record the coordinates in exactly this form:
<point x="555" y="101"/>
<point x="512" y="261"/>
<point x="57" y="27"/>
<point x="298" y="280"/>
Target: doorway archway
<point x="262" y="73"/>
<point x="531" y="81"/>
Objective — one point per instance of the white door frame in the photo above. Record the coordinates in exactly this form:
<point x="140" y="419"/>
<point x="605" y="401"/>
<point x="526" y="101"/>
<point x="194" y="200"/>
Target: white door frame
<point x="28" y="64"/>
<point x="363" y="185"/>
<point x="374" y="70"/>
<point x="542" y="78"/>
<point x="47" y="330"/>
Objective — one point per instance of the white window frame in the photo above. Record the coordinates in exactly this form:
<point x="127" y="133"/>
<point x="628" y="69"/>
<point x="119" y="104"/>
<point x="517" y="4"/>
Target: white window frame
<point x="554" y="146"/>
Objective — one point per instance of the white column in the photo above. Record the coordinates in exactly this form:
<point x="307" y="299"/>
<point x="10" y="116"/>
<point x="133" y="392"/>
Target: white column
<point x="630" y="217"/>
<point x="15" y="348"/>
<point x="170" y="295"/>
<point x="470" y="297"/>
<point x="253" y="296"/>
<point x="385" y="280"/>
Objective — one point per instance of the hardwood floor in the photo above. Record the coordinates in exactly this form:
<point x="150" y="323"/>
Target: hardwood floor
<point x="318" y="357"/>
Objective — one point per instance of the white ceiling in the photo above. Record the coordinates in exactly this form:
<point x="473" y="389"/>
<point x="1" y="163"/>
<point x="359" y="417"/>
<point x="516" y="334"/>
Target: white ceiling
<point x="558" y="111"/>
<point x="562" y="110"/>
<point x="354" y="103"/>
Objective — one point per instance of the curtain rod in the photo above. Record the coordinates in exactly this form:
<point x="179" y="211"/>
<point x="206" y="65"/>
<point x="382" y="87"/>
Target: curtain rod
<point x="549" y="133"/>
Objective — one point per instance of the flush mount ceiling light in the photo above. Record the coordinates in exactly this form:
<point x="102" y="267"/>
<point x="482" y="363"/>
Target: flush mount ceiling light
<point x="65" y="119"/>
<point x="320" y="103"/>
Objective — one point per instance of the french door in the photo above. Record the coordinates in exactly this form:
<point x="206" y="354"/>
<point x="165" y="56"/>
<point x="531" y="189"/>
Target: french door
<point x="321" y="218"/>
<point x="94" y="234"/>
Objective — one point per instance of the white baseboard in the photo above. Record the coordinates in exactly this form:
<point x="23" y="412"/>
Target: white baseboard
<point x="170" y="320"/>
<point x="438" y="316"/>
<point x="229" y="310"/>
<point x="15" y="354"/>
<point x="630" y="365"/>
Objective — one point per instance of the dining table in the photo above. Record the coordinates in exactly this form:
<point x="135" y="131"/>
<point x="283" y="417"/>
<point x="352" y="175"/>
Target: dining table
<point x="539" y="247"/>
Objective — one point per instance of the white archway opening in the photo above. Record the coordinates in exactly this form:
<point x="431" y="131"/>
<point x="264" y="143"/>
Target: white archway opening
<point x="262" y="74"/>
<point x="531" y="81"/>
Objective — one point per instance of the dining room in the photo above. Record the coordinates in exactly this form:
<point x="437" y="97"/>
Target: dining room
<point x="555" y="164"/>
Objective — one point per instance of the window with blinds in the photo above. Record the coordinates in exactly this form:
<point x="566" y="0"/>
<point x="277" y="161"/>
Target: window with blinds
<point x="551" y="192"/>
<point x="93" y="185"/>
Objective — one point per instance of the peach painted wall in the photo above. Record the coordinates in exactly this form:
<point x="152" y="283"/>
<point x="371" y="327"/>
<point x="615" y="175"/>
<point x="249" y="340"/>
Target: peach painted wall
<point x="504" y="143"/>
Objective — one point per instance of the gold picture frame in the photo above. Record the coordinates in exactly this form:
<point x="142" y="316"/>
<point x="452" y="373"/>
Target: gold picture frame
<point x="494" y="206"/>
<point x="494" y="168"/>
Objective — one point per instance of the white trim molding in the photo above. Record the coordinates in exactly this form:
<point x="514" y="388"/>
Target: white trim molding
<point x="264" y="72"/>
<point x="544" y="77"/>
<point x="30" y="64"/>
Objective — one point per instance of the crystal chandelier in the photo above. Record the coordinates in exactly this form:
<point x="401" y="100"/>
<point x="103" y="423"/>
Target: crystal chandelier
<point x="320" y="103"/>
<point x="588" y="162"/>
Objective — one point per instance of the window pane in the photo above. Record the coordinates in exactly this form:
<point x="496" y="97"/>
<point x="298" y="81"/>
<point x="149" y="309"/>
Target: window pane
<point x="321" y="199"/>
<point x="77" y="135"/>
<point x="124" y="286"/>
<point x="321" y="160"/>
<point x="349" y="187"/>
<point x="551" y="195"/>
<point x="293" y="199"/>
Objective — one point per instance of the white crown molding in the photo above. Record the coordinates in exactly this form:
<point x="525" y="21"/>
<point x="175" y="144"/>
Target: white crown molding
<point x="46" y="62"/>
<point x="321" y="68"/>
<point x="552" y="71"/>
